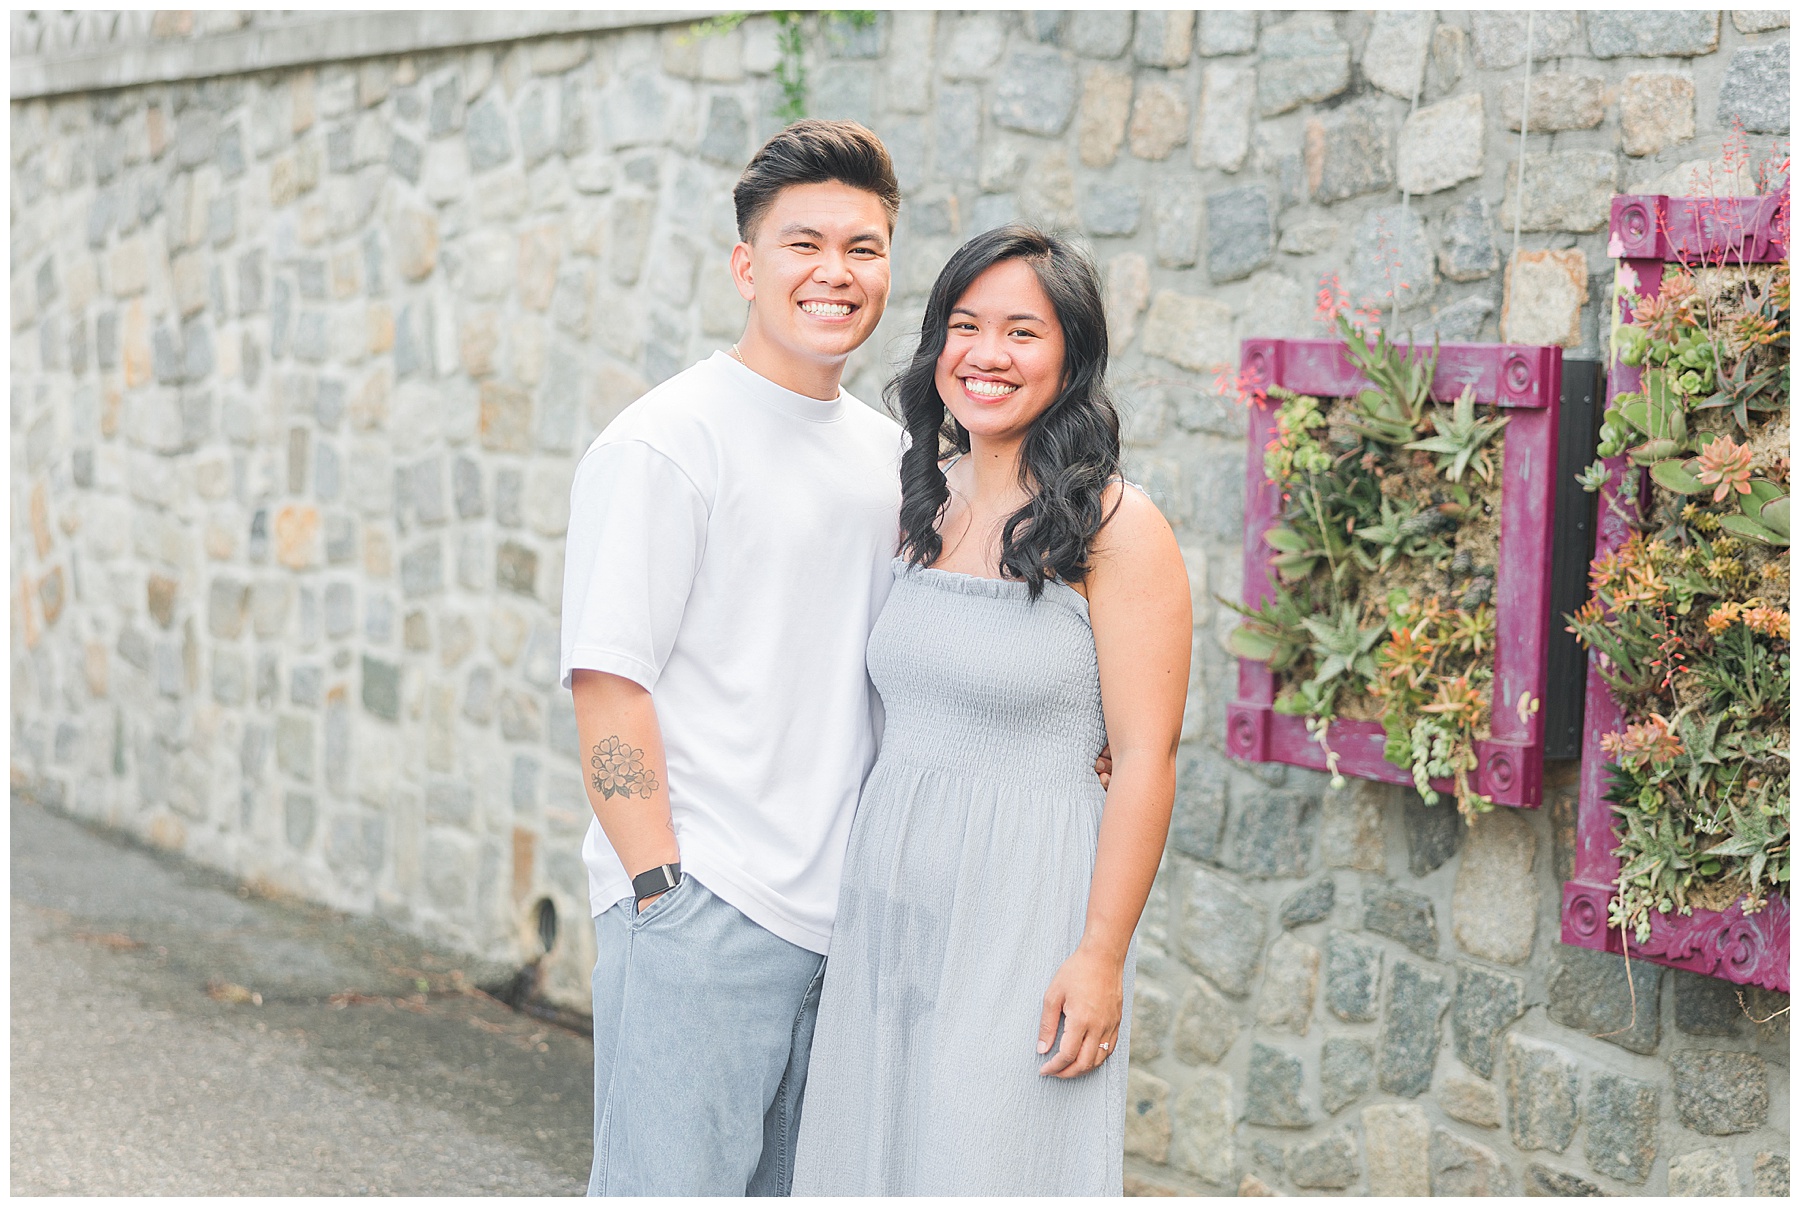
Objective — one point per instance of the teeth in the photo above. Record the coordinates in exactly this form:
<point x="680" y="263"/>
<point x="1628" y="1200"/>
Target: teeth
<point x="826" y="309"/>
<point x="989" y="389"/>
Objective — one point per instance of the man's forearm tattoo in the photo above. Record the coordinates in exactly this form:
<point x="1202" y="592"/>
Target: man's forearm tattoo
<point x="619" y="771"/>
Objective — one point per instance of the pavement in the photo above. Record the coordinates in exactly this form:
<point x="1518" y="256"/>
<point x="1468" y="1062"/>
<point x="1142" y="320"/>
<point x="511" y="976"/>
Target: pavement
<point x="174" y="1032"/>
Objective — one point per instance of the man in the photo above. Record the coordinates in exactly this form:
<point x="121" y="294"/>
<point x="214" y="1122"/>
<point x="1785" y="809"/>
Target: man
<point x="728" y="550"/>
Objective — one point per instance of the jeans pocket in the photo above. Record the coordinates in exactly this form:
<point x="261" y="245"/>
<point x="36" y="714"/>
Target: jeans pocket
<point x="659" y="906"/>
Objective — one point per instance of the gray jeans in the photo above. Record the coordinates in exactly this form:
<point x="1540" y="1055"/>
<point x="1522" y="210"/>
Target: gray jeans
<point x="703" y="1024"/>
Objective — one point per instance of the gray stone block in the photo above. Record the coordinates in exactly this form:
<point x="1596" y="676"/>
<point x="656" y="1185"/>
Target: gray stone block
<point x="450" y="801"/>
<point x="478" y="700"/>
<point x="1594" y="992"/>
<point x="328" y="472"/>
<point x="1036" y="93"/>
<point x="1391" y="258"/>
<point x="521" y="720"/>
<point x="956" y="132"/>
<point x="340" y="539"/>
<point x="1303" y="59"/>
<point x="1706" y="1005"/>
<point x="489" y="143"/>
<point x="381" y="688"/>
<point x="1239" y="232"/>
<point x="230" y="156"/>
<point x="1409" y="1034"/>
<point x="422" y="569"/>
<point x="1406" y="917"/>
<point x="1163" y="39"/>
<point x="1352" y="977"/>
<point x="230" y="677"/>
<point x="515" y="569"/>
<point x="306" y="686"/>
<point x="1543" y="1182"/>
<point x="1098" y="33"/>
<point x="1486" y="1004"/>
<point x="1720" y="1093"/>
<point x="1152" y="1012"/>
<point x="1205" y="1026"/>
<point x="1463" y="1168"/>
<point x="1111" y="209"/>
<point x="560" y="732"/>
<point x="1273" y="834"/>
<point x="1351" y="152"/>
<point x="1222" y="931"/>
<point x="1755" y="90"/>
<point x="727" y="136"/>
<point x="1311" y="904"/>
<point x="378" y="619"/>
<point x="446" y="115"/>
<point x="1328" y="1163"/>
<point x="525" y="785"/>
<point x="268" y="679"/>
<point x="340" y="609"/>
<point x="340" y="149"/>
<point x="465" y="487"/>
<point x="355" y="844"/>
<point x="450" y="869"/>
<point x="1272" y="1089"/>
<point x="1226" y="31"/>
<point x="1769" y="1176"/>
<point x="1541" y="1084"/>
<point x="1434" y="834"/>
<point x="509" y="492"/>
<point x="1564" y="191"/>
<point x="405" y="159"/>
<point x="227" y="602"/>
<point x="1469" y="253"/>
<point x="1346" y="1072"/>
<point x="1623" y="33"/>
<point x="299" y="818"/>
<point x="197" y="138"/>
<point x="1621" y="1127"/>
<point x="1706" y="1173"/>
<point x="1175" y="224"/>
<point x="1499" y="37"/>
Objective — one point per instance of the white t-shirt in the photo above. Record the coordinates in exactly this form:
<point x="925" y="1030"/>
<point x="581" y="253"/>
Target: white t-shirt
<point x="728" y="550"/>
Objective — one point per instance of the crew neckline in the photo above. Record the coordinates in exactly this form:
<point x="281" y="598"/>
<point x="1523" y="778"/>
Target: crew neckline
<point x="800" y="406"/>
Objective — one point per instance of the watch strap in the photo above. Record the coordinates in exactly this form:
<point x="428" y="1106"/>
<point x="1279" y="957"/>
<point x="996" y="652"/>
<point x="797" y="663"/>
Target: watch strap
<point x="656" y="880"/>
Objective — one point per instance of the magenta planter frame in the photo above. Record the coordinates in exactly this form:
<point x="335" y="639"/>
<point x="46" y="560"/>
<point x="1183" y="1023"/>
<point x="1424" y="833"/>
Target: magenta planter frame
<point x="1648" y="233"/>
<point x="1528" y="382"/>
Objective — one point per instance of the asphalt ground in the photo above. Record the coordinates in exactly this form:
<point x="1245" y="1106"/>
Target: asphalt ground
<point x="175" y="1033"/>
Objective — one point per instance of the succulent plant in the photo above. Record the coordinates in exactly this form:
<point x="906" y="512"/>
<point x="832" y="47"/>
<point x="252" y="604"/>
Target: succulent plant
<point x="1461" y="438"/>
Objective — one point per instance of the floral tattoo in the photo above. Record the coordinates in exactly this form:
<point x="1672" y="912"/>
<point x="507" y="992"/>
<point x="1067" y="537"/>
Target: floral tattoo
<point x="619" y="771"/>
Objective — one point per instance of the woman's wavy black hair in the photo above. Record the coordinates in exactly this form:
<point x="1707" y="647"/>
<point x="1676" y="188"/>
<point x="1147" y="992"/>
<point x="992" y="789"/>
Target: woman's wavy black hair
<point x="1070" y="452"/>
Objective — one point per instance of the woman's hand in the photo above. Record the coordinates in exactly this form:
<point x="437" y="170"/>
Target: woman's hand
<point x="1087" y="994"/>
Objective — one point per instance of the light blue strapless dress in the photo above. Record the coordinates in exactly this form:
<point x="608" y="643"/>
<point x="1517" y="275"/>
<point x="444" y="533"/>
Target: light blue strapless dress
<point x="965" y="888"/>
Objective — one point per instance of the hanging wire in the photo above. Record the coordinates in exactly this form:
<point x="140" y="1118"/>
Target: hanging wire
<point x="1524" y="127"/>
<point x="1405" y="205"/>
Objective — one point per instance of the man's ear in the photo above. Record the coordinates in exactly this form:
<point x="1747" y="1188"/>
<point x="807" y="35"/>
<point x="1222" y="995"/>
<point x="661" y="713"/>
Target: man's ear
<point x="741" y="273"/>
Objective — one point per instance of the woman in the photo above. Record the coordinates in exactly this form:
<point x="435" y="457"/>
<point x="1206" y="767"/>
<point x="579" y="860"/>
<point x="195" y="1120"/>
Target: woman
<point x="972" y="1026"/>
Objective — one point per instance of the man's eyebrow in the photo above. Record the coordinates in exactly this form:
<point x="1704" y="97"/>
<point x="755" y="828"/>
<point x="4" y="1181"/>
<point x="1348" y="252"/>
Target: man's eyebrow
<point x="793" y="229"/>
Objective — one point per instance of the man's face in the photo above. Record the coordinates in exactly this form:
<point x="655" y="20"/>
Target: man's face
<point x="816" y="273"/>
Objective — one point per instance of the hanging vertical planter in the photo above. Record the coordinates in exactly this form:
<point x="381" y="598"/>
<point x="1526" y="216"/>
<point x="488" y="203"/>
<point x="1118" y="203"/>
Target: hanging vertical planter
<point x="1682" y="847"/>
<point x="1398" y="553"/>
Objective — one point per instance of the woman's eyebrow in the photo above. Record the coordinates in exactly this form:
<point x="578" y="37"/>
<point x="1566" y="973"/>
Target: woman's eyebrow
<point x="1011" y="318"/>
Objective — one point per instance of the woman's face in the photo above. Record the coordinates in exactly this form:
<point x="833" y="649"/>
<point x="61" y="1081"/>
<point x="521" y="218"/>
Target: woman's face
<point x="1002" y="363"/>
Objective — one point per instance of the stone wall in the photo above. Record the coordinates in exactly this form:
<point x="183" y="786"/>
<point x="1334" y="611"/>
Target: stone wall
<point x="303" y="360"/>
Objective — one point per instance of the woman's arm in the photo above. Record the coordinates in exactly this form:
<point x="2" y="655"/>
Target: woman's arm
<point x="1143" y="621"/>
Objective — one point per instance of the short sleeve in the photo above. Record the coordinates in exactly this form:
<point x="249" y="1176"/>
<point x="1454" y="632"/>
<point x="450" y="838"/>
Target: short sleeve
<point x="637" y="529"/>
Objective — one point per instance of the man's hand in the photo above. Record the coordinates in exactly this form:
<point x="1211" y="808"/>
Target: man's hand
<point x="1103" y="766"/>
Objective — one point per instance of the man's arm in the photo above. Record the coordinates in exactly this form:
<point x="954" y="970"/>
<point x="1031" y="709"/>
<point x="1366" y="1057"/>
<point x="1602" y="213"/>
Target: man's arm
<point x="627" y="775"/>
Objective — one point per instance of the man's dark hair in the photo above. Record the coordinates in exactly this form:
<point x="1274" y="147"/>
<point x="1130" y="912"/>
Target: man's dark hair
<point x="815" y="152"/>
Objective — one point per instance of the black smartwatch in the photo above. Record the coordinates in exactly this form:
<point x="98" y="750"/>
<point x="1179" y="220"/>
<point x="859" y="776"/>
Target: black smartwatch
<point x="656" y="880"/>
